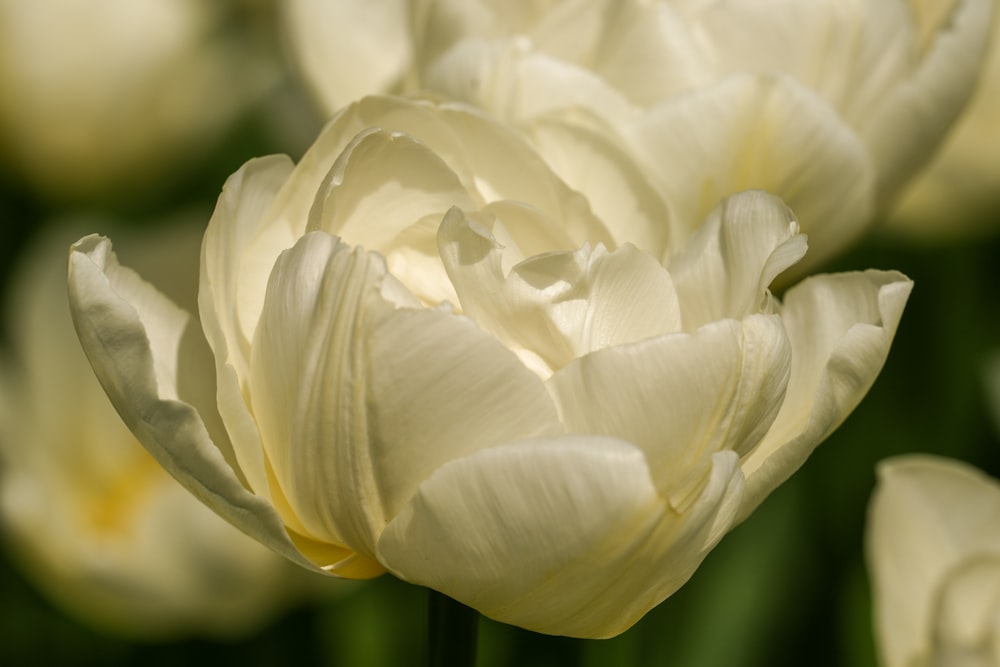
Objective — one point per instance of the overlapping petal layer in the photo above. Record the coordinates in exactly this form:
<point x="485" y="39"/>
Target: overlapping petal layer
<point x="435" y="358"/>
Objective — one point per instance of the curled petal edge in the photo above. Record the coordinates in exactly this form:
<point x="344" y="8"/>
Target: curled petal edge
<point x="115" y="339"/>
<point x="848" y="372"/>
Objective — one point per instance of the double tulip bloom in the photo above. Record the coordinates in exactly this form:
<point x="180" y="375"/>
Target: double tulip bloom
<point x="432" y="357"/>
<point x="833" y="105"/>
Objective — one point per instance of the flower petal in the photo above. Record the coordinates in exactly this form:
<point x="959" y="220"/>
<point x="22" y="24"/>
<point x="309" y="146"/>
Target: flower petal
<point x="927" y="514"/>
<point x="682" y="397"/>
<point x="563" y="536"/>
<point x="840" y="327"/>
<point x="388" y="192"/>
<point x="727" y="266"/>
<point x="355" y="394"/>
<point x="558" y="305"/>
<point x="240" y="241"/>
<point x="518" y="84"/>
<point x="134" y="338"/>
<point x="760" y="132"/>
<point x="618" y="189"/>
<point x="916" y="113"/>
<point x="340" y="61"/>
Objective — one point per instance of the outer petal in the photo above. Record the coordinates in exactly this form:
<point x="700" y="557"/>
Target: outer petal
<point x="841" y="327"/>
<point x="563" y="536"/>
<point x="682" y="397"/>
<point x="355" y="395"/>
<point x="760" y="132"/>
<point x="926" y="516"/>
<point x="134" y="338"/>
<point x="349" y="48"/>
<point x="727" y="266"/>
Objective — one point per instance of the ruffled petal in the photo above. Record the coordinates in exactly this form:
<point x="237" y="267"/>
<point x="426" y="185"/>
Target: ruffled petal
<point x="359" y="401"/>
<point x="135" y="339"/>
<point x="760" y="132"/>
<point x="564" y="536"/>
<point x="681" y="398"/>
<point x="840" y="327"/>
<point x="560" y="305"/>
<point x="727" y="266"/>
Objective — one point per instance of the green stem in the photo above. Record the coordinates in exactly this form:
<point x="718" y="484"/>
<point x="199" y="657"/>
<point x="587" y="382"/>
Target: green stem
<point x="451" y="632"/>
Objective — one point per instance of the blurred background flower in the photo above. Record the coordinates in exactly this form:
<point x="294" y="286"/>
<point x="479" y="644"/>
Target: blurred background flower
<point x="933" y="546"/>
<point x="98" y="99"/>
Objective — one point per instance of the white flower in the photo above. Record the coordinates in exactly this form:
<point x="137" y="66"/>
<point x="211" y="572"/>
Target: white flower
<point x="933" y="546"/>
<point x="100" y="96"/>
<point x="831" y="104"/>
<point x="433" y="358"/>
<point x="95" y="522"/>
<point x="959" y="192"/>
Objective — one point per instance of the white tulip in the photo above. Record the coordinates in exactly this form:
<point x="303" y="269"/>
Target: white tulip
<point x="434" y="358"/>
<point x="94" y="521"/>
<point x="833" y="104"/>
<point x="933" y="546"/>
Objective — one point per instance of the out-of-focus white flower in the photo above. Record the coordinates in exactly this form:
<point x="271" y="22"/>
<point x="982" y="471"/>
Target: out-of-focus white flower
<point x="832" y="105"/>
<point x="103" y="95"/>
<point x="933" y="547"/>
<point x="434" y="358"/>
<point x="959" y="193"/>
<point x="95" y="522"/>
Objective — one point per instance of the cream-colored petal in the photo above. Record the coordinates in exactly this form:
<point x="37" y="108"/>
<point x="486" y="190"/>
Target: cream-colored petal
<point x="725" y="269"/>
<point x="648" y="51"/>
<point x="558" y="305"/>
<point x="760" y="132"/>
<point x="388" y="192"/>
<point x="493" y="160"/>
<point x="517" y="83"/>
<point x="349" y="48"/>
<point x="841" y="327"/>
<point x="593" y="162"/>
<point x="681" y="397"/>
<point x="134" y="337"/>
<point x="915" y="114"/>
<point x="966" y="610"/>
<point x="564" y="536"/>
<point x="240" y="245"/>
<point x="359" y="401"/>
<point x="926" y="517"/>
